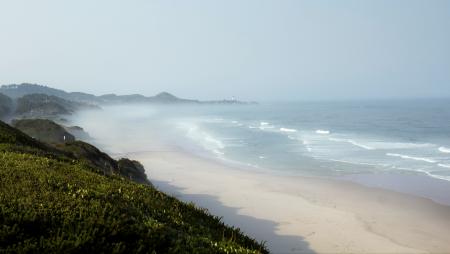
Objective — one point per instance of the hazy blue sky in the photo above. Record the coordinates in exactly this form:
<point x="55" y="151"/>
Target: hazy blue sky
<point x="252" y="49"/>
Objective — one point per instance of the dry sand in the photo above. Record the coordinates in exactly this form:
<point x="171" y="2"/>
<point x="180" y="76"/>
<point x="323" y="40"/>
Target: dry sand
<point x="303" y="215"/>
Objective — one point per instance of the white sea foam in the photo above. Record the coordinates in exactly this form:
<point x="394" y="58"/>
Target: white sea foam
<point x="407" y="157"/>
<point x="206" y="140"/>
<point x="360" y="145"/>
<point x="306" y="144"/>
<point x="323" y="132"/>
<point x="213" y="140"/>
<point x="444" y="165"/>
<point x="292" y="137"/>
<point x="265" y="127"/>
<point x="444" y="149"/>
<point x="428" y="173"/>
<point x="262" y="126"/>
<point x="446" y="178"/>
<point x="357" y="162"/>
<point x="237" y="123"/>
<point x="287" y="130"/>
<point x="351" y="141"/>
<point x="398" y="145"/>
<point x="262" y="157"/>
<point x="252" y="165"/>
<point x="218" y="152"/>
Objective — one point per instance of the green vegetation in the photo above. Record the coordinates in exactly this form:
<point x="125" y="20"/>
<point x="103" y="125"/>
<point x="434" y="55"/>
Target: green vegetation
<point x="44" y="130"/>
<point x="103" y="163"/>
<point x="13" y="138"/>
<point x="51" y="202"/>
<point x="133" y="169"/>
<point x="43" y="106"/>
<point x="35" y="101"/>
<point x="78" y="132"/>
<point x="16" y="91"/>
<point x="6" y="105"/>
<point x="51" y="133"/>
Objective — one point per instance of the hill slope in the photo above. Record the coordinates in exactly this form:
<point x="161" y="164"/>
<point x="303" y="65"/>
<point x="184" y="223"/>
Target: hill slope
<point x="16" y="91"/>
<point x="55" y="135"/>
<point x="47" y="106"/>
<point x="50" y="203"/>
<point x="6" y="105"/>
<point x="44" y="130"/>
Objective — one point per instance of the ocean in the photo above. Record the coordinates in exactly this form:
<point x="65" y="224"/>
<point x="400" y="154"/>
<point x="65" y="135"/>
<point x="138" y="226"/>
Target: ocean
<point x="334" y="138"/>
<point x="326" y="139"/>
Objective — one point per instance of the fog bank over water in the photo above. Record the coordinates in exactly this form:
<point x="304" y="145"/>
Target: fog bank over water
<point x="406" y="148"/>
<point x="120" y="129"/>
<point x="289" y="138"/>
<point x="254" y="50"/>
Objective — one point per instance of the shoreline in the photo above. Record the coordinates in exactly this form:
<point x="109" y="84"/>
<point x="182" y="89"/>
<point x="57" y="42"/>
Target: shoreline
<point x="303" y="214"/>
<point x="417" y="185"/>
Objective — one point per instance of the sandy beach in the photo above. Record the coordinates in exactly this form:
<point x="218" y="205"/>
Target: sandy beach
<point x="310" y="126"/>
<point x="300" y="214"/>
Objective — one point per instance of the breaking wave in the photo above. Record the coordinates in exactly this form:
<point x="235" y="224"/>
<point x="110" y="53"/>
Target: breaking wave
<point x="444" y="149"/>
<point x="287" y="130"/>
<point x="351" y="141"/>
<point x="407" y="157"/>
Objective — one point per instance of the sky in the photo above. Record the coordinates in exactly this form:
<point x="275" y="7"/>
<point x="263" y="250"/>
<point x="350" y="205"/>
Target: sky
<point x="211" y="49"/>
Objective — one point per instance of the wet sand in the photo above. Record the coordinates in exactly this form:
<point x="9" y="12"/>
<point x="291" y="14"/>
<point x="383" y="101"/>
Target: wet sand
<point x="300" y="214"/>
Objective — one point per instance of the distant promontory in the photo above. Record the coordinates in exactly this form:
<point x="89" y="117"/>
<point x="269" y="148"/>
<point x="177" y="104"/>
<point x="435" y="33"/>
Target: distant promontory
<point x="19" y="90"/>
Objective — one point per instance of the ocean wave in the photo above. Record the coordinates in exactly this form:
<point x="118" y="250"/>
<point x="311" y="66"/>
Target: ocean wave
<point x="399" y="145"/>
<point x="252" y="165"/>
<point x="434" y="175"/>
<point x="407" y="157"/>
<point x="306" y="144"/>
<point x="204" y="139"/>
<point x="236" y="123"/>
<point x="218" y="152"/>
<point x="446" y="178"/>
<point x="360" y="145"/>
<point x="359" y="163"/>
<point x="351" y="141"/>
<point x="427" y="172"/>
<point x="323" y="132"/>
<point x="287" y="130"/>
<point x="213" y="140"/>
<point x="266" y="127"/>
<point x="262" y="126"/>
<point x="443" y="165"/>
<point x="444" y="149"/>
